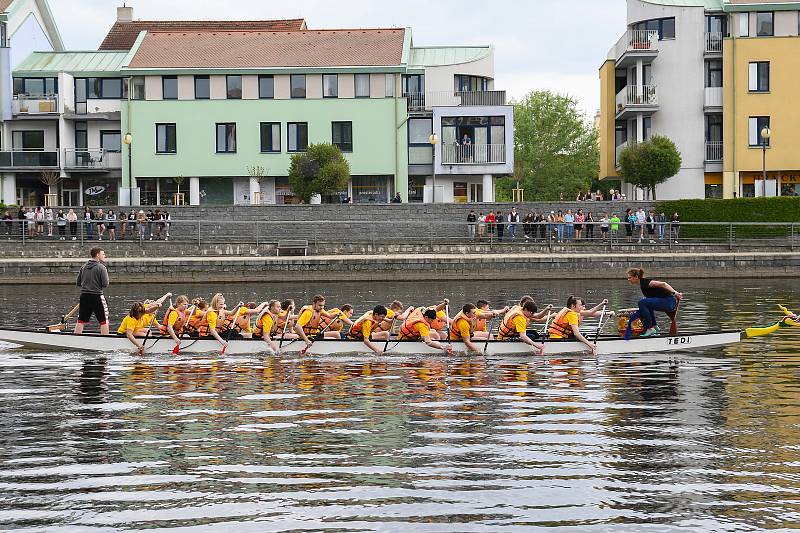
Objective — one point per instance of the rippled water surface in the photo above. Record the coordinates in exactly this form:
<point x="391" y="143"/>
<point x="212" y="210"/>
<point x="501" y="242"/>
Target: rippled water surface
<point x="703" y="441"/>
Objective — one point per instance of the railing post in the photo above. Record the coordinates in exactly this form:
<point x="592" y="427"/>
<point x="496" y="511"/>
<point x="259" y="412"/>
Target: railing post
<point x="257" y="239"/>
<point x="730" y="237"/>
<point x="199" y="243"/>
<point x="24" y="229"/>
<point x="549" y="239"/>
<point x="81" y="228"/>
<point x="791" y="239"/>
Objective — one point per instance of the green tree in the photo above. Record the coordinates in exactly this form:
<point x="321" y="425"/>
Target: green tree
<point x="555" y="149"/>
<point x="650" y="163"/>
<point x="321" y="169"/>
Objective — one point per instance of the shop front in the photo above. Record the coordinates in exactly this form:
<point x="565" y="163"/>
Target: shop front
<point x="778" y="183"/>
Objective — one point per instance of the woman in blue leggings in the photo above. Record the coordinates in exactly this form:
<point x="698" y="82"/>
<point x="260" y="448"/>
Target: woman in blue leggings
<point x="658" y="296"/>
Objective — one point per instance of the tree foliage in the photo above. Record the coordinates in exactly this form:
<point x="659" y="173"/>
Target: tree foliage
<point x="650" y="163"/>
<point x="321" y="169"/>
<point x="555" y="149"/>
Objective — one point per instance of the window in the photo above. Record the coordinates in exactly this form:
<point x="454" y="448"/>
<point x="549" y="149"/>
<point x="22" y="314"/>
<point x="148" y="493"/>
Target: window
<point x="665" y="27"/>
<point x="362" y="85"/>
<point x="138" y="87"/>
<point x="270" y="136"/>
<point x="764" y="25"/>
<point x="330" y="86"/>
<point x="464" y="83"/>
<point x="744" y="24"/>
<point x="169" y="87"/>
<point x="647" y="126"/>
<point x="388" y="91"/>
<point x="266" y="87"/>
<point x="342" y="135"/>
<point x="714" y="128"/>
<point x="756" y="124"/>
<point x="166" y="139"/>
<point x="226" y="138"/>
<point x="81" y="135"/>
<point x="36" y="86"/>
<point x="234" y="87"/>
<point x="714" y="73"/>
<point x="759" y="77"/>
<point x="297" y="132"/>
<point x="102" y="88"/>
<point x="111" y="141"/>
<point x="717" y="24"/>
<point x="28" y="140"/>
<point x="413" y="84"/>
<point x="297" y="85"/>
<point x="420" y="151"/>
<point x="202" y="88"/>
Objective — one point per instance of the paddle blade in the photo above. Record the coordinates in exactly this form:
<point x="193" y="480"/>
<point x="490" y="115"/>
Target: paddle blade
<point x="176" y="349"/>
<point x="759" y="332"/>
<point x="56" y="327"/>
<point x="222" y="351"/>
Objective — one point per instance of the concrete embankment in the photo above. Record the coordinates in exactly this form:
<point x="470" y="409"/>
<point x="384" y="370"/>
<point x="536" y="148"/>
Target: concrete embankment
<point x="409" y="267"/>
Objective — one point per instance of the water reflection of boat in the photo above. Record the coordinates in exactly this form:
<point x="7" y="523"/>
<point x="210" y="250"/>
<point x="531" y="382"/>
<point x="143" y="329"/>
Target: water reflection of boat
<point x="42" y="339"/>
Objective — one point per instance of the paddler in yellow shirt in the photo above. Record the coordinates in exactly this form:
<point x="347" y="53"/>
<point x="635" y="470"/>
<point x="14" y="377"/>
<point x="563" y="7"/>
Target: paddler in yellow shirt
<point x="515" y="325"/>
<point x="341" y="317"/>
<point x="363" y="328"/>
<point x="267" y="326"/>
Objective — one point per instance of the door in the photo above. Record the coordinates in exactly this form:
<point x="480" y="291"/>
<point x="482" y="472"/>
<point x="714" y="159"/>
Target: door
<point x="241" y="191"/>
<point x="475" y="192"/>
<point x="71" y="197"/>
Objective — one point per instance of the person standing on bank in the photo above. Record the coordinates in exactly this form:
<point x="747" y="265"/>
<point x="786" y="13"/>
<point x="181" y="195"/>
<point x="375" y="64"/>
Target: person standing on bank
<point x="92" y="279"/>
<point x="658" y="296"/>
<point x="471" y="220"/>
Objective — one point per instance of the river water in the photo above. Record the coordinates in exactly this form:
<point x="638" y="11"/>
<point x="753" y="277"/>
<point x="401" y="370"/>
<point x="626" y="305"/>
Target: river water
<point x="702" y="441"/>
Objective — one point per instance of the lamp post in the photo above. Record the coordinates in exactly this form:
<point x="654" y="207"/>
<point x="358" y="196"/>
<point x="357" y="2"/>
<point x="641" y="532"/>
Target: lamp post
<point x="128" y="140"/>
<point x="765" y="135"/>
<point x="433" y="139"/>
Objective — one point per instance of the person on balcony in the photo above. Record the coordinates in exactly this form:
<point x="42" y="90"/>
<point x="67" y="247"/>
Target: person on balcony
<point x="466" y="146"/>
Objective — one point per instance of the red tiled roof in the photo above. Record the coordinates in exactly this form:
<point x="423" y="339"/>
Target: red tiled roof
<point x="4" y="5"/>
<point x="254" y="49"/>
<point x="122" y="35"/>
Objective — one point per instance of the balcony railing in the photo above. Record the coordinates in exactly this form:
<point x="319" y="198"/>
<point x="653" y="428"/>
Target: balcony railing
<point x="713" y="151"/>
<point x="28" y="158"/>
<point x="618" y="151"/>
<point x="86" y="158"/>
<point x="714" y="42"/>
<point x="637" y="95"/>
<point x="636" y="41"/>
<point x="473" y="154"/>
<point x="428" y="100"/>
<point x="713" y="97"/>
<point x="24" y="104"/>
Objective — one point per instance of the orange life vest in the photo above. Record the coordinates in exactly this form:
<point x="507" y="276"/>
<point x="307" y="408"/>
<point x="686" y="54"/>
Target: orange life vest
<point x="336" y="323"/>
<point x="281" y="320"/>
<point x="408" y="329"/>
<point x="559" y="327"/>
<point x="312" y="327"/>
<point x="240" y="321"/>
<point x="356" y="330"/>
<point x="193" y="322"/>
<point x="455" y="332"/>
<point x="258" y="330"/>
<point x="480" y="323"/>
<point x="507" y="329"/>
<point x="177" y="327"/>
<point x="202" y="329"/>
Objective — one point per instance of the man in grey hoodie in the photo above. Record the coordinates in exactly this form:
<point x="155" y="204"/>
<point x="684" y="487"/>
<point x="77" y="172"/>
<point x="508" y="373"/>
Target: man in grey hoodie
<point x="92" y="279"/>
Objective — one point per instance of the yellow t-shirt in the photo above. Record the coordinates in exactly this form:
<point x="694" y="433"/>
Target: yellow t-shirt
<point x="172" y="317"/>
<point x="572" y="319"/>
<point x="144" y="322"/>
<point x="519" y="323"/>
<point x="243" y="312"/>
<point x="423" y="329"/>
<point x="211" y="319"/>
<point x="128" y="323"/>
<point x="366" y="328"/>
<point x="305" y="317"/>
<point x="266" y="324"/>
<point x="462" y="326"/>
<point x="338" y="316"/>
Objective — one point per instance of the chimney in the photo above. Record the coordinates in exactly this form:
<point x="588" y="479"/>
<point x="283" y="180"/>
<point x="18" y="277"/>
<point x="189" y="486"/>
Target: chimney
<point x="124" y="14"/>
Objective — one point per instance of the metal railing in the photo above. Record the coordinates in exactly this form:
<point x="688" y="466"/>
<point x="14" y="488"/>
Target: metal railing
<point x="636" y="41"/>
<point x="714" y="42"/>
<point x="25" y="104"/>
<point x="713" y="151"/>
<point x="85" y="158"/>
<point x="336" y="236"/>
<point x="637" y="95"/>
<point x="29" y="158"/>
<point x="428" y="100"/>
<point x="473" y="154"/>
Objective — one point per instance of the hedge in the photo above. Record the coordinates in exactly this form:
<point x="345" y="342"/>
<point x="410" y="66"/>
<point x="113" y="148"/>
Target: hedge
<point x="777" y="209"/>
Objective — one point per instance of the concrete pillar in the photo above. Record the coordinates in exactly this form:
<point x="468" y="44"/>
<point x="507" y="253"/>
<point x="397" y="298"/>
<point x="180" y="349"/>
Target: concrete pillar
<point x="427" y="193"/>
<point x="255" y="187"/>
<point x="488" y="188"/>
<point x="639" y="73"/>
<point x="639" y="127"/>
<point x="9" y="189"/>
<point x="194" y="191"/>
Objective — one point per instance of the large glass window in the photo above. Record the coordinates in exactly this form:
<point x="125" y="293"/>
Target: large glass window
<point x="297" y="85"/>
<point x="342" y="135"/>
<point x="714" y="128"/>
<point x="756" y="124"/>
<point x="717" y="24"/>
<point x="202" y="88"/>
<point x="28" y="140"/>
<point x="266" y="86"/>
<point x="36" y="86"/>
<point x="362" y="85"/>
<point x="166" y="139"/>
<point x="764" y="24"/>
<point x="234" y="87"/>
<point x="226" y="138"/>
<point x="138" y="88"/>
<point x="420" y="151"/>
<point x="102" y="88"/>
<point x="81" y="134"/>
<point x="714" y="73"/>
<point x="465" y="83"/>
<point x="413" y="84"/>
<point x="665" y="27"/>
<point x="169" y="87"/>
<point x="388" y="90"/>
<point x="330" y="86"/>
<point x="297" y="133"/>
<point x="111" y="141"/>
<point x="270" y="136"/>
<point x="759" y="77"/>
<point x="744" y="24"/>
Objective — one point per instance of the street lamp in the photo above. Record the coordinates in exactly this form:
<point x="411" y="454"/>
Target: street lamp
<point x="128" y="140"/>
<point x="765" y="135"/>
<point x="433" y="139"/>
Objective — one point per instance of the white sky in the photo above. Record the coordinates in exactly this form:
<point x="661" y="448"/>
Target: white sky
<point x="539" y="44"/>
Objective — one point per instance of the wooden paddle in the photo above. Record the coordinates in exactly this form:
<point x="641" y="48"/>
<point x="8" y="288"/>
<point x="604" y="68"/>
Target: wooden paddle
<point x="389" y="336"/>
<point x="233" y="323"/>
<point x="189" y="314"/>
<point x="63" y="324"/>
<point x="321" y="333"/>
<point x="600" y="324"/>
<point x="447" y="323"/>
<point x="285" y="325"/>
<point x="147" y="336"/>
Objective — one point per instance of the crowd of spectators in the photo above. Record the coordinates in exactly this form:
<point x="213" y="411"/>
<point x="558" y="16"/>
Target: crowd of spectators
<point x="597" y="196"/>
<point x="100" y="224"/>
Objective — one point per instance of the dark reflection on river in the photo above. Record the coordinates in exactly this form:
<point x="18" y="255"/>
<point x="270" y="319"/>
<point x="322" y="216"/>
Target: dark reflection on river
<point x="693" y="441"/>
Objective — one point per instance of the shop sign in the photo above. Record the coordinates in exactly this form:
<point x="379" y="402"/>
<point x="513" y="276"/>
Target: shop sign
<point x="96" y="190"/>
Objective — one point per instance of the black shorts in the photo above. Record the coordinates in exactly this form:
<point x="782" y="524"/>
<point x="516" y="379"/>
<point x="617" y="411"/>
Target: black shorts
<point x="93" y="304"/>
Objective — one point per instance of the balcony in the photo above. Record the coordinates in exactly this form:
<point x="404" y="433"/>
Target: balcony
<point x="29" y="159"/>
<point x="713" y="151"/>
<point x="429" y="100"/>
<point x="636" y="45"/>
<point x="91" y="159"/>
<point x="635" y="99"/>
<point x="713" y="43"/>
<point x="24" y="104"/>
<point x="619" y="150"/>
<point x="713" y="98"/>
<point x="473" y="154"/>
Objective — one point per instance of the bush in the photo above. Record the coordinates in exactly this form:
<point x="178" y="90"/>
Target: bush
<point x="321" y="169"/>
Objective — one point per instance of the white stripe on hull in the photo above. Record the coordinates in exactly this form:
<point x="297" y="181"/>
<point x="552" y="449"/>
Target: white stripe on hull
<point x="156" y="345"/>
